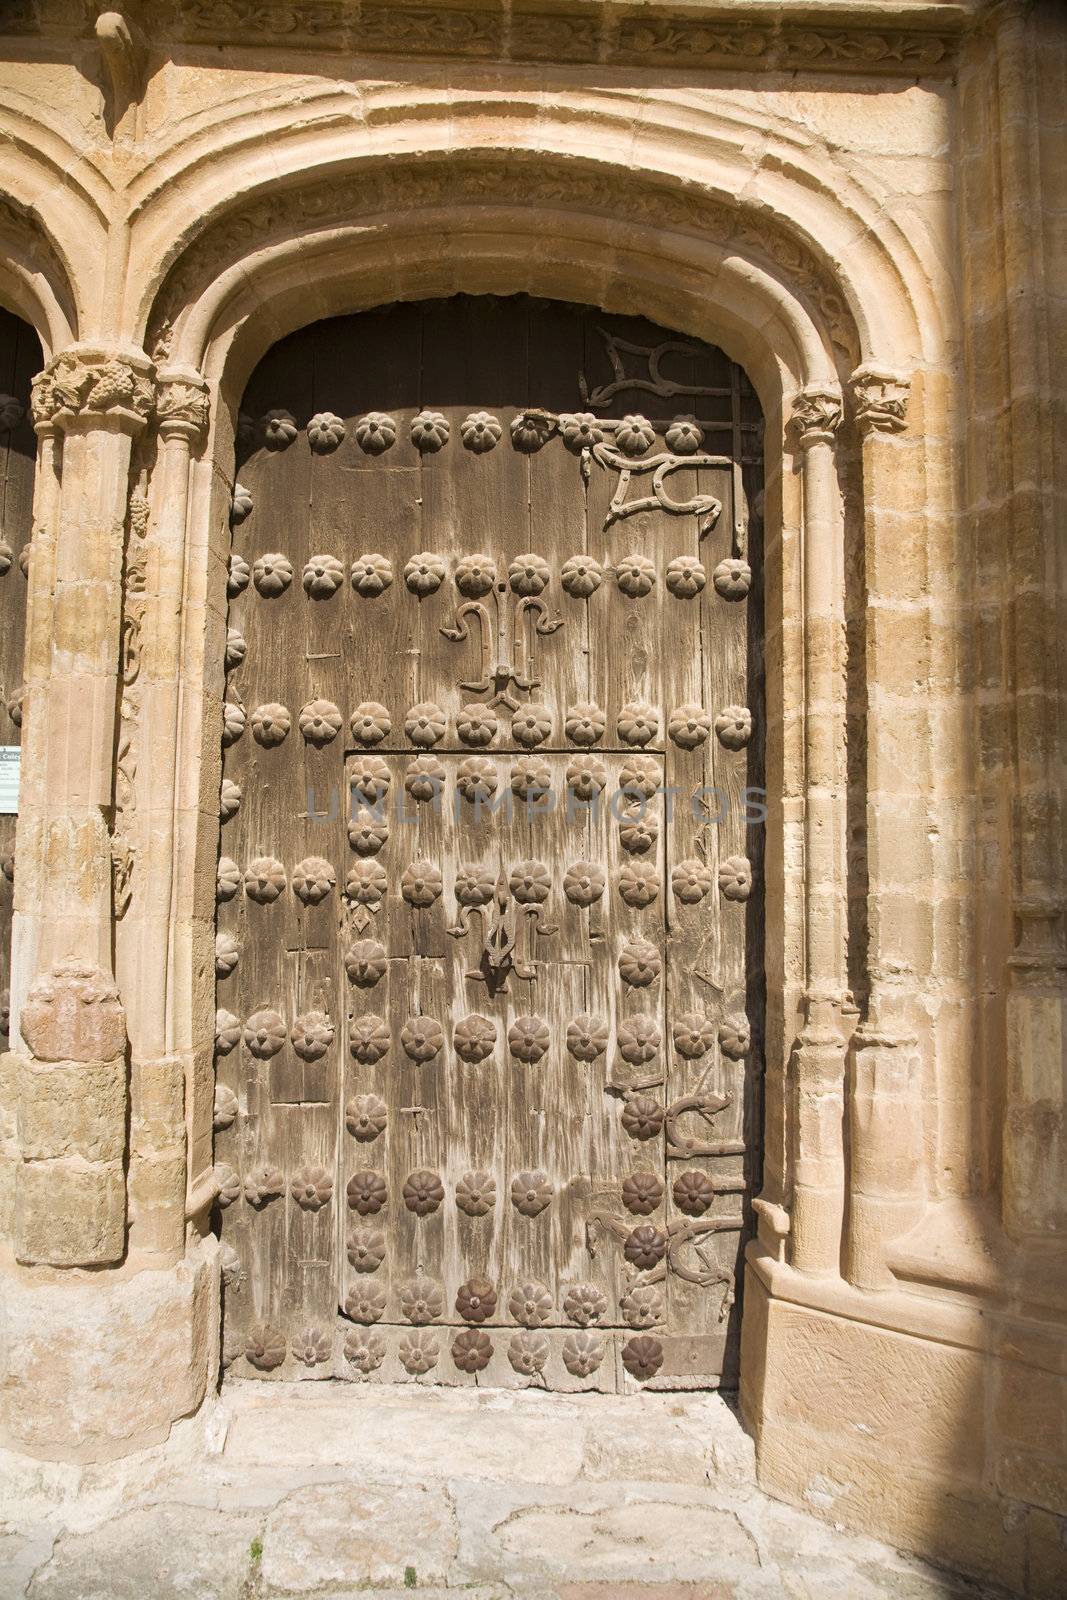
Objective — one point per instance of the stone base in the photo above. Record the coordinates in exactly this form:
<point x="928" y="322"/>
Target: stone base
<point x="96" y="1366"/>
<point x="888" y="1433"/>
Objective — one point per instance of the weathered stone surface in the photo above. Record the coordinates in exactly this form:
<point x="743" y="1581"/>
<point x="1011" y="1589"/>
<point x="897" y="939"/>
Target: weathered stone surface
<point x="170" y="1552"/>
<point x="73" y="1013"/>
<point x="72" y="1108"/>
<point x="348" y="1535"/>
<point x="69" y="1212"/>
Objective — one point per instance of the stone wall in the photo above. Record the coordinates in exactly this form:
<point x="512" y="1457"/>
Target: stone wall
<point x="864" y="205"/>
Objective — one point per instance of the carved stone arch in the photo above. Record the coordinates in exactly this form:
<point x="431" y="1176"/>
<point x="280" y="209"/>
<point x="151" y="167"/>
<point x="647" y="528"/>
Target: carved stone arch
<point x="34" y="282"/>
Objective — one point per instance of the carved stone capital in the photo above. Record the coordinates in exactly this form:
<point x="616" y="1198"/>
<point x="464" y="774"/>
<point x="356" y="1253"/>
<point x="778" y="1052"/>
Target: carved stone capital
<point x="73" y="1013"/>
<point x="816" y="415"/>
<point x="90" y="381"/>
<point x="881" y="396"/>
<point x="182" y="404"/>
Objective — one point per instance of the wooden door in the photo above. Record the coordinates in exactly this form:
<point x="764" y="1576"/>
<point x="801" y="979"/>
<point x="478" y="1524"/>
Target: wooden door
<point x="20" y="361"/>
<point x="489" y="942"/>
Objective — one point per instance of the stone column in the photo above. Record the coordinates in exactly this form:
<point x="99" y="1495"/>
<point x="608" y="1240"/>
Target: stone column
<point x="70" y="1187"/>
<point x="885" y="1099"/>
<point x="819" y="1054"/>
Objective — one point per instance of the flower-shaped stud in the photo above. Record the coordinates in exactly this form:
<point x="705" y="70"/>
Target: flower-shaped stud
<point x="472" y="1350"/>
<point x="319" y="722"/>
<point x="693" y="1192"/>
<point x="422" y="1038"/>
<point x="580" y="430"/>
<point x="690" y="881"/>
<point x="735" y="878"/>
<point x="587" y="1037"/>
<point x="227" y="1032"/>
<point x="733" y="727"/>
<point x="474" y="884"/>
<point x="240" y="505"/>
<point x="530" y="883"/>
<point x="365" y="1303"/>
<point x="642" y="1306"/>
<point x="371" y="575"/>
<point x="366" y="1193"/>
<point x="364" y="1351"/>
<point x="425" y="724"/>
<point x="689" y="726"/>
<point x="684" y="436"/>
<point x="368" y="1038"/>
<point x="640" y="963"/>
<point x="732" y="579"/>
<point x="528" y="574"/>
<point x="236" y="649"/>
<point x="694" y="1035"/>
<point x="635" y="576"/>
<point x="476" y="1194"/>
<point x="425" y="779"/>
<point x="366" y="882"/>
<point x="313" y="880"/>
<point x="531" y="1193"/>
<point x="634" y="435"/>
<point x="233" y="723"/>
<point x="582" y="1353"/>
<point x="475" y="575"/>
<point x="585" y="723"/>
<point x="279" y="429"/>
<point x="584" y="1304"/>
<point x="422" y="1301"/>
<point x="643" y="1117"/>
<point x="421" y="884"/>
<point x="227" y="879"/>
<point x="264" y="880"/>
<point x="227" y="1184"/>
<point x="638" y="830"/>
<point x="423" y="1192"/>
<point x="311" y="1035"/>
<point x="479" y="432"/>
<point x="323" y="576"/>
<point x="527" y="1353"/>
<point x="639" y="1039"/>
<point x="238" y="576"/>
<point x="531" y="724"/>
<point x="367" y="834"/>
<point x="641" y="777"/>
<point x="528" y="1039"/>
<point x="311" y="1188"/>
<point x="581" y="576"/>
<point x="224" y="1111"/>
<point x="365" y="963"/>
<point x="642" y="1357"/>
<point x="272" y="575"/>
<point x="370" y="777"/>
<point x="685" y="577"/>
<point x="418" y="1352"/>
<point x="474" y="1038"/>
<point x="424" y="573"/>
<point x="264" y="1184"/>
<point x="476" y="724"/>
<point x="531" y="779"/>
<point x="375" y="433"/>
<point x="429" y="432"/>
<point x="638" y="883"/>
<point x="735" y="1037"/>
<point x="583" y="883"/>
<point x="325" y="432"/>
<point x="270" y="724"/>
<point x="265" y="1348"/>
<point x="530" y="431"/>
<point x="265" y="1034"/>
<point x="638" y="724"/>
<point x="530" y="1304"/>
<point x="366" y="1117"/>
<point x="645" y="1247"/>
<point x="226" y="954"/>
<point x="642" y="1193"/>
<point x="586" y="777"/>
<point x="476" y="1300"/>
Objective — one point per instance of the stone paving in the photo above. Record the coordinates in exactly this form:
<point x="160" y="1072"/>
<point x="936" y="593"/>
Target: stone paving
<point x="327" y="1490"/>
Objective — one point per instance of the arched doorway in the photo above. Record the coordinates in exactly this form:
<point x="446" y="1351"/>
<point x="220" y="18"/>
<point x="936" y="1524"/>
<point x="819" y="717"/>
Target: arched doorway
<point x="20" y="360"/>
<point x="489" y="940"/>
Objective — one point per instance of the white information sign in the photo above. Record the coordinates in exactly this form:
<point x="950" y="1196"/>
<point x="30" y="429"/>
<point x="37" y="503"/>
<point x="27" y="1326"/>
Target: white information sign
<point x="9" y="780"/>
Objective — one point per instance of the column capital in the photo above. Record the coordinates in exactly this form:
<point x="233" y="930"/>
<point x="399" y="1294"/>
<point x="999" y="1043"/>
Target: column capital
<point x="816" y="414"/>
<point x="182" y="404"/>
<point x="881" y="396"/>
<point x="89" y="383"/>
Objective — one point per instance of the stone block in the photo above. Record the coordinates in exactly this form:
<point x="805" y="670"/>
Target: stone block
<point x="157" y="1096"/>
<point x="73" y="1013"/>
<point x="334" y="1536"/>
<point x="72" y="1108"/>
<point x="69" y="1212"/>
<point x="168" y="1551"/>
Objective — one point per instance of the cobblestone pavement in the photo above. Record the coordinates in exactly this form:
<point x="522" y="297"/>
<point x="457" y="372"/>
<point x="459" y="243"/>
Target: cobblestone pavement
<point x="327" y="1490"/>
